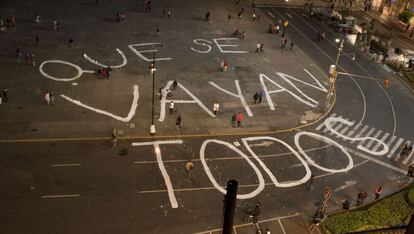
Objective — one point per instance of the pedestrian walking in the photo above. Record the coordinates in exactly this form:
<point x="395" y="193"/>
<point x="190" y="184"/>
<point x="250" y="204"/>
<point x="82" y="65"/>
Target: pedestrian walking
<point x="18" y="54"/>
<point x="254" y="16"/>
<point x="189" y="167"/>
<point x="168" y="13"/>
<point x="284" y="43"/>
<point x="261" y="48"/>
<point x="171" y="107"/>
<point x="57" y="26"/>
<point x="37" y="18"/>
<point x="243" y="35"/>
<point x="361" y="197"/>
<point x="345" y="205"/>
<point x="178" y="122"/>
<point x="225" y="65"/>
<point x="256" y="97"/>
<point x="310" y="182"/>
<point x="267" y="231"/>
<point x="260" y="95"/>
<point x="52" y="97"/>
<point x="32" y="60"/>
<point x="233" y="120"/>
<point x="13" y="21"/>
<point x="71" y="41"/>
<point x="216" y="107"/>
<point x="256" y="212"/>
<point x="239" y="14"/>
<point x="378" y="192"/>
<point x="291" y="45"/>
<point x="47" y="98"/>
<point x="258" y="47"/>
<point x="228" y="18"/>
<point x="387" y="83"/>
<point x="114" y="137"/>
<point x="239" y="119"/>
<point x="4" y="94"/>
<point x="157" y="30"/>
<point x="37" y="40"/>
<point x="207" y="16"/>
<point x="410" y="171"/>
<point x="174" y="84"/>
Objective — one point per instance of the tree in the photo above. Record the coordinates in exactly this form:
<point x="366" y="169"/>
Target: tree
<point x="405" y="16"/>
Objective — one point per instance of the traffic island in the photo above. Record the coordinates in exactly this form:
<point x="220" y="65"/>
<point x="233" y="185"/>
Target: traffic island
<point x="393" y="212"/>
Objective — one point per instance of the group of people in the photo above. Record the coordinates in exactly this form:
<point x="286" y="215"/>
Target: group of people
<point x="257" y="97"/>
<point x="147" y="6"/>
<point x="28" y="57"/>
<point x="320" y="36"/>
<point x="104" y="72"/>
<point x="120" y="16"/>
<point x="361" y="196"/>
<point x="50" y="97"/>
<point x="236" y="119"/>
<point x="10" y="22"/>
<point x="239" y="34"/>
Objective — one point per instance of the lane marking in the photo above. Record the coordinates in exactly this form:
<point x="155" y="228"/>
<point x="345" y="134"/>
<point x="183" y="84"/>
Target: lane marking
<point x="270" y="13"/>
<point x="382" y="139"/>
<point x="66" y="165"/>
<point x="281" y="226"/>
<point x="350" y="133"/>
<point x="61" y="196"/>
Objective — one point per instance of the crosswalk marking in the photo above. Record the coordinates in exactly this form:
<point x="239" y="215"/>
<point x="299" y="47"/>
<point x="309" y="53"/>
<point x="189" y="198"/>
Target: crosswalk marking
<point x="395" y="147"/>
<point x="336" y="128"/>
<point x="372" y="141"/>
<point x="363" y="131"/>
<point x="323" y="123"/>
<point x="353" y="130"/>
<point x="382" y="139"/>
<point x="408" y="156"/>
<point x="360" y="132"/>
<point x="367" y="135"/>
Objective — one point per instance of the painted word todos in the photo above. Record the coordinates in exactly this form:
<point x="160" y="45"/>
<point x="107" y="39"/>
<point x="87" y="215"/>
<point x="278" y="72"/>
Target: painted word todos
<point x="301" y="155"/>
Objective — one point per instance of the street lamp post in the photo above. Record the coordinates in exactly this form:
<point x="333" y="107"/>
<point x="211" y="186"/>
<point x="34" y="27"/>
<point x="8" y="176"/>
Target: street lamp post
<point x="332" y="75"/>
<point x="152" y="128"/>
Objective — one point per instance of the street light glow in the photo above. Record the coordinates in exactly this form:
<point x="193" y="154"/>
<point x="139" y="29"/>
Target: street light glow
<point x="337" y="40"/>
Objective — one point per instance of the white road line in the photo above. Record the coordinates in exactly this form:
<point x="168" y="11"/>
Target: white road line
<point x="376" y="137"/>
<point x="353" y="130"/>
<point x="360" y="132"/>
<point x="61" y="196"/>
<point x="270" y="13"/>
<point x="395" y="147"/>
<point x="281" y="226"/>
<point x="289" y="15"/>
<point x="391" y="141"/>
<point x="367" y="135"/>
<point x="336" y="129"/>
<point x="382" y="139"/>
<point x="409" y="156"/>
<point x="345" y="129"/>
<point x="320" y="126"/>
<point x="66" y="165"/>
<point x="377" y="161"/>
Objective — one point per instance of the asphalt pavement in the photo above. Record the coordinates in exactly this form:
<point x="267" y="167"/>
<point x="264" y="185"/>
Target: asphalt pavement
<point x="60" y="173"/>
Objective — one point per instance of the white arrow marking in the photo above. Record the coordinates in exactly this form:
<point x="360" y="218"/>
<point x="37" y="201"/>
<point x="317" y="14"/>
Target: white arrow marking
<point x="347" y="184"/>
<point x="131" y="113"/>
